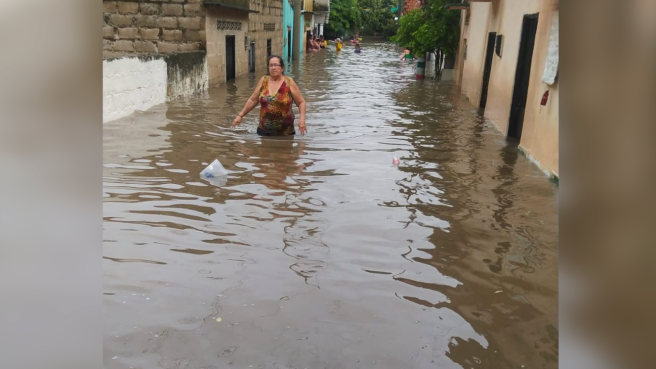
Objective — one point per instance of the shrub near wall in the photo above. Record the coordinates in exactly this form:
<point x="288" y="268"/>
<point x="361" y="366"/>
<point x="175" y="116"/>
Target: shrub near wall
<point x="152" y="27"/>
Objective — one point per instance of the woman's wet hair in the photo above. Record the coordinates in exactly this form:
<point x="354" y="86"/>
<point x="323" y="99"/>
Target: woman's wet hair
<point x="281" y="62"/>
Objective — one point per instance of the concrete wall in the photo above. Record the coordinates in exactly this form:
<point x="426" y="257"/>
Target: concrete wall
<point x="540" y="129"/>
<point x="502" y="77"/>
<point x="216" y="43"/>
<point x="287" y="23"/>
<point x="152" y="27"/>
<point x="303" y="31"/>
<point x="141" y="82"/>
<point x="131" y="84"/>
<point x="270" y="12"/>
<point x="308" y="6"/>
<point x="186" y="74"/>
<point x="321" y="6"/>
<point x="307" y="20"/>
<point x="476" y="36"/>
<point x="303" y="38"/>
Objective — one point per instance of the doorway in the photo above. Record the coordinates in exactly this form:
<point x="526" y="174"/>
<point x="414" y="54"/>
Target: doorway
<point x="289" y="44"/>
<point x="251" y="57"/>
<point x="489" y="54"/>
<point x="522" y="76"/>
<point x="230" y="58"/>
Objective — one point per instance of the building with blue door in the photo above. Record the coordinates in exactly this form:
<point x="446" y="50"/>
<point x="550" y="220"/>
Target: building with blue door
<point x="288" y="30"/>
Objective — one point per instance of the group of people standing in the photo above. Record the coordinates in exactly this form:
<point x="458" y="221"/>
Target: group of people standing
<point x="316" y="43"/>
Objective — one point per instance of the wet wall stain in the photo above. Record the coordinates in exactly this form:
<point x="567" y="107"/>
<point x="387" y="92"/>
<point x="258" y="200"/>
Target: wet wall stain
<point x="186" y="66"/>
<point x="186" y="69"/>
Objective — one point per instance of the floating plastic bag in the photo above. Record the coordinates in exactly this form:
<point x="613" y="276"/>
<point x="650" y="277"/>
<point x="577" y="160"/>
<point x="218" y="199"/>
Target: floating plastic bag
<point x="215" y="173"/>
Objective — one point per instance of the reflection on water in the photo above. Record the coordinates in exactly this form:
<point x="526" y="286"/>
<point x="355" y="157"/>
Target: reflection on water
<point x="318" y="252"/>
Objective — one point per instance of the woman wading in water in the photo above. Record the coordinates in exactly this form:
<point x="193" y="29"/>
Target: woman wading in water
<point x="275" y="93"/>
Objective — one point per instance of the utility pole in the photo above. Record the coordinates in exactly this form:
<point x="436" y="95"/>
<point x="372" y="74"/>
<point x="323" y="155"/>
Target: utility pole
<point x="296" y="48"/>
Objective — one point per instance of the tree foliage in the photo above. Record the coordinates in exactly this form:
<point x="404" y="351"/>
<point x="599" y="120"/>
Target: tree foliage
<point x="345" y="17"/>
<point x="430" y="27"/>
<point x="412" y="31"/>
<point x="377" y="16"/>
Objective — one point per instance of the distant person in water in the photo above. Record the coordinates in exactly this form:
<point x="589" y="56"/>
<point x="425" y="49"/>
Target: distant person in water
<point x="314" y="44"/>
<point x="357" y="47"/>
<point x="275" y="92"/>
<point x="407" y="54"/>
<point x="340" y="44"/>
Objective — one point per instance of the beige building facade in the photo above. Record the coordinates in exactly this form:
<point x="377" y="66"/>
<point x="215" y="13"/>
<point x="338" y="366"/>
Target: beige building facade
<point x="155" y="51"/>
<point x="507" y="66"/>
<point x="265" y="32"/>
<point x="241" y="34"/>
<point x="227" y="46"/>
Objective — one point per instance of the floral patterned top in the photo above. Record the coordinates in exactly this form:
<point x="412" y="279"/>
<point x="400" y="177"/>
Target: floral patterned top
<point x="276" y="114"/>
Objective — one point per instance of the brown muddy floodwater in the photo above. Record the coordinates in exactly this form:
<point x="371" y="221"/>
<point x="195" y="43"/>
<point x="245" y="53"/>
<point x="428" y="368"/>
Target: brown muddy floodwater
<point x="318" y="252"/>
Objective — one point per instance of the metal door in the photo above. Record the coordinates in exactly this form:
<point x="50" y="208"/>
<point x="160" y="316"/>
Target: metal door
<point x="487" y="70"/>
<point x="230" y="58"/>
<point x="522" y="75"/>
<point x="251" y="57"/>
<point x="289" y="45"/>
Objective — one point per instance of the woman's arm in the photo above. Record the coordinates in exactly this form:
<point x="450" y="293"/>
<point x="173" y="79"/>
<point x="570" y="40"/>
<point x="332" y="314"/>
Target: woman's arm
<point x="300" y="102"/>
<point x="250" y="104"/>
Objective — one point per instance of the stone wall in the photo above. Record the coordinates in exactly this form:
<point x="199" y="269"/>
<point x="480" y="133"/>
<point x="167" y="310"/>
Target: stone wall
<point x="152" y="27"/>
<point x="259" y="30"/>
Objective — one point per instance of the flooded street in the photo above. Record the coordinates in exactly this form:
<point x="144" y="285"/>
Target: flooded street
<point x="319" y="252"/>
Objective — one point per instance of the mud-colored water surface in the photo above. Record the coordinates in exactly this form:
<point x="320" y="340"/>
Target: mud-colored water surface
<point x="318" y="252"/>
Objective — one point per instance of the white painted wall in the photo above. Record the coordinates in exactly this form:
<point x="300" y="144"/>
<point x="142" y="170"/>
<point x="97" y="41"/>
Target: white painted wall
<point x="131" y="84"/>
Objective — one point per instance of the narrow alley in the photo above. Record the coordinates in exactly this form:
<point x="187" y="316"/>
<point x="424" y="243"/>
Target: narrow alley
<point x="319" y="252"/>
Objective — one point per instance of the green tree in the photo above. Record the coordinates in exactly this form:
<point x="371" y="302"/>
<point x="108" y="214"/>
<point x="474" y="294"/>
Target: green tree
<point x="413" y="32"/>
<point x="377" y="16"/>
<point x="444" y="26"/>
<point x="429" y="28"/>
<point x="345" y="17"/>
